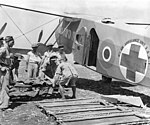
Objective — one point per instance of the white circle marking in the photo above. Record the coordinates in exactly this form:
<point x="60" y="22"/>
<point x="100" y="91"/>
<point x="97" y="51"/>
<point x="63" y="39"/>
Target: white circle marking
<point x="106" y="48"/>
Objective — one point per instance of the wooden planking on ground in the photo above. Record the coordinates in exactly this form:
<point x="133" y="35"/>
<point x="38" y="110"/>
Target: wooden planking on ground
<point x="89" y="111"/>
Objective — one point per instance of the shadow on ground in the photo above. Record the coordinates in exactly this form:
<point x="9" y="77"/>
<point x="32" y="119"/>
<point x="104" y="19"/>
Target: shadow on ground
<point x="100" y="87"/>
<point x="18" y="97"/>
<point x="113" y="88"/>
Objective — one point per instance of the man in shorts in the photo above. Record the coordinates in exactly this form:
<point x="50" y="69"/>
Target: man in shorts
<point x="65" y="75"/>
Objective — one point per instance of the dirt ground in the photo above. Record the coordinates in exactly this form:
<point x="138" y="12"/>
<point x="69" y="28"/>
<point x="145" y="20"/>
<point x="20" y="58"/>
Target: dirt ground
<point x="89" y="85"/>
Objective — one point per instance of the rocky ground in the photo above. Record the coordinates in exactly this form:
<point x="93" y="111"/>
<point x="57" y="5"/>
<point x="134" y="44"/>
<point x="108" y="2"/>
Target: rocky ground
<point x="89" y="85"/>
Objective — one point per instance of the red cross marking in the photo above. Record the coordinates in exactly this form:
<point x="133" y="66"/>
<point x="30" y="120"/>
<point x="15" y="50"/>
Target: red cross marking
<point x="133" y="63"/>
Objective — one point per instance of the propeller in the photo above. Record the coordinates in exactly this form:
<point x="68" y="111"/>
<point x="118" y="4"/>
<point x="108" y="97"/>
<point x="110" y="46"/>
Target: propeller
<point x="40" y="36"/>
<point x="3" y="28"/>
<point x="41" y="47"/>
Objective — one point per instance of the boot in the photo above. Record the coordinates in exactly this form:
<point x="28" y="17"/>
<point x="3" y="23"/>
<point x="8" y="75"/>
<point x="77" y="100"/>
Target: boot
<point x="73" y="92"/>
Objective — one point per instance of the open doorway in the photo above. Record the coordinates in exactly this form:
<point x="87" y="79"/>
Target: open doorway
<point x="94" y="42"/>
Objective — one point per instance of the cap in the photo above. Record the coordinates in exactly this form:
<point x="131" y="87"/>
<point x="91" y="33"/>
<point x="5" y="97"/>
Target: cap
<point x="19" y="56"/>
<point x="63" y="58"/>
<point x="9" y="38"/>
<point x="60" y="46"/>
<point x="34" y="45"/>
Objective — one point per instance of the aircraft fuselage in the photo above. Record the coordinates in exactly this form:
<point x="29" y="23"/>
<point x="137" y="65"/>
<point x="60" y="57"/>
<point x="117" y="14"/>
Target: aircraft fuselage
<point x="117" y="51"/>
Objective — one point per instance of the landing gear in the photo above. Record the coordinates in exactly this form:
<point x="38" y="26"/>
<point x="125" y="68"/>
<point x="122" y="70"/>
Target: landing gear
<point x="106" y="79"/>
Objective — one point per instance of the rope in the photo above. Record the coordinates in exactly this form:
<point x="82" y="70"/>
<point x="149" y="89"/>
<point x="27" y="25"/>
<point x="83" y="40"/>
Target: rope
<point x="37" y="27"/>
<point x="16" y="25"/>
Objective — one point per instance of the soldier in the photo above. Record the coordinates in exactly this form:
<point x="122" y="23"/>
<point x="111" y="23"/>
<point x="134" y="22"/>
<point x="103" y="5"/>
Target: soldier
<point x="33" y="62"/>
<point x="45" y="63"/>
<point x="65" y="75"/>
<point x="48" y="53"/>
<point x="5" y="72"/>
<point x="46" y="57"/>
<point x="15" y="62"/>
<point x="61" y="54"/>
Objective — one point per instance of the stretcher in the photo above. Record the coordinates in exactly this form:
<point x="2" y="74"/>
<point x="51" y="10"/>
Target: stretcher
<point x="38" y="87"/>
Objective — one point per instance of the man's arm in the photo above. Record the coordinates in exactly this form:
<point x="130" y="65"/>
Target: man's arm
<point x="16" y="74"/>
<point x="43" y="59"/>
<point x="2" y="51"/>
<point x="77" y="43"/>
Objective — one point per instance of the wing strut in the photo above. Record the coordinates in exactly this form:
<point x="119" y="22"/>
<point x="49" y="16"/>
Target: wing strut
<point x="37" y="27"/>
<point x="63" y="31"/>
<point x="53" y="32"/>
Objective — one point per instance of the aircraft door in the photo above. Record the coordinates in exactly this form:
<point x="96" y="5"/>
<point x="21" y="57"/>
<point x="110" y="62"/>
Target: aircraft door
<point x="78" y="45"/>
<point x="94" y="43"/>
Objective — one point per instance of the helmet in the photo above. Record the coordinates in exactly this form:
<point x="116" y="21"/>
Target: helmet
<point x="18" y="56"/>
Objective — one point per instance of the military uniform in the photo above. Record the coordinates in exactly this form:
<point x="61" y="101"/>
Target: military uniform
<point x="4" y="75"/>
<point x="46" y="67"/>
<point x="46" y="60"/>
<point x="48" y="53"/>
<point x="33" y="63"/>
<point x="66" y="72"/>
<point x="15" y="62"/>
<point x="66" y="75"/>
<point x="61" y="54"/>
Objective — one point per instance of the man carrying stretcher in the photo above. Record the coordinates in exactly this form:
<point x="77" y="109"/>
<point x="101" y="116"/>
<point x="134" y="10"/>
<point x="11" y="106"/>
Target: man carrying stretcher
<point x="65" y="76"/>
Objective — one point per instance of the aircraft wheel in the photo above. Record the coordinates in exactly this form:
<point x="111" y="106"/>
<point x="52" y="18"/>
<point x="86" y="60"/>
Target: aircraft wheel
<point x="106" y="79"/>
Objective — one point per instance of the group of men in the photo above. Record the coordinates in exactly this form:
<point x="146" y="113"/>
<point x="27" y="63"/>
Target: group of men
<point x="61" y="72"/>
<point x="52" y="65"/>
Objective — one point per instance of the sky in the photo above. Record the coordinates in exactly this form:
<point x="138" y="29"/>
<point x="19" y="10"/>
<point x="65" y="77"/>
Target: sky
<point x="21" y="22"/>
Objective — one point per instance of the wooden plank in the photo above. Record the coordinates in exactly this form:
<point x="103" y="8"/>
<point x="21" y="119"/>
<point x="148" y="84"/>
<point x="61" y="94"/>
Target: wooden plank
<point x="72" y="100"/>
<point x="110" y="121"/>
<point x="69" y="110"/>
<point x="83" y="117"/>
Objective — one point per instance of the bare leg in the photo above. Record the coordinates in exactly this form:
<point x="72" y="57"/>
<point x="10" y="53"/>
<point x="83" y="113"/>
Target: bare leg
<point x="61" y="90"/>
<point x="16" y="74"/>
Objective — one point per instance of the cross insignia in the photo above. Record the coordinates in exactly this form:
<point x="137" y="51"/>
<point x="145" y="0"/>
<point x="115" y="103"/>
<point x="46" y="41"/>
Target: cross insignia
<point x="133" y="63"/>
